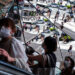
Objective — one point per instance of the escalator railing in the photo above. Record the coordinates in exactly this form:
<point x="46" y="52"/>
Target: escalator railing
<point x="7" y="69"/>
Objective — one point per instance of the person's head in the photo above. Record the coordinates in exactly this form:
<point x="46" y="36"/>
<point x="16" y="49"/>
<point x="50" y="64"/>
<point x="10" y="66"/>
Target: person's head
<point x="69" y="62"/>
<point x="7" y="27"/>
<point x="49" y="44"/>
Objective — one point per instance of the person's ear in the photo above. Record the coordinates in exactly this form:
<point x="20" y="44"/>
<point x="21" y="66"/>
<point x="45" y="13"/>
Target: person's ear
<point x="13" y="30"/>
<point x="45" y="47"/>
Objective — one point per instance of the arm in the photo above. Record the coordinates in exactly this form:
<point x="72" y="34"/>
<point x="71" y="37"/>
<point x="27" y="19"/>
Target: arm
<point x="5" y="53"/>
<point x="38" y="58"/>
<point x="18" y="61"/>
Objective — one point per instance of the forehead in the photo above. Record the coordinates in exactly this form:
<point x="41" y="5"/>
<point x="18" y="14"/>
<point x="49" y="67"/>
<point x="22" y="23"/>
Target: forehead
<point x="67" y="59"/>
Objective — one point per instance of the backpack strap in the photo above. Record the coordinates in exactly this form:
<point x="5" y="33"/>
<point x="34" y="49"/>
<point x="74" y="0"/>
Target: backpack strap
<point x="48" y="58"/>
<point x="44" y="60"/>
<point x="52" y="59"/>
<point x="49" y="62"/>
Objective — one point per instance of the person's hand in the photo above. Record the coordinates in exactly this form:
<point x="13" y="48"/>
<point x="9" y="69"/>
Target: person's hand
<point x="29" y="57"/>
<point x="5" y="53"/>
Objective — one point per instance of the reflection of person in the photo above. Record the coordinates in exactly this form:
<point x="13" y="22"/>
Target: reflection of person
<point x="36" y="38"/>
<point x="24" y="27"/>
<point x="31" y="27"/>
<point x="57" y="15"/>
<point x="55" y="36"/>
<point x="10" y="47"/>
<point x="62" y="25"/>
<point x="49" y="13"/>
<point x="63" y="16"/>
<point x="42" y="37"/>
<point x="48" y="60"/>
<point x="68" y="18"/>
<point x="37" y="28"/>
<point x="70" y="50"/>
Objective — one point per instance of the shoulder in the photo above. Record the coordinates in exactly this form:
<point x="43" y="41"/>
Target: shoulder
<point x="52" y="56"/>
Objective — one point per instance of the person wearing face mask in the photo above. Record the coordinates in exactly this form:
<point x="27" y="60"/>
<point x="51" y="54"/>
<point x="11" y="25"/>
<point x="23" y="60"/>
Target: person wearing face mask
<point x="11" y="49"/>
<point x="47" y="60"/>
<point x="68" y="66"/>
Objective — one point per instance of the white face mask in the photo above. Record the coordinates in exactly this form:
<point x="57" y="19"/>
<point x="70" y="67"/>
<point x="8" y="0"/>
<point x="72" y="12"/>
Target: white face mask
<point x="67" y="64"/>
<point x="5" y="32"/>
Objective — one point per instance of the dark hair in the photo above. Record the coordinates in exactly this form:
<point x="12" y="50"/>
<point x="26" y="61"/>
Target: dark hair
<point x="7" y="22"/>
<point x="71" y="60"/>
<point x="51" y="44"/>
